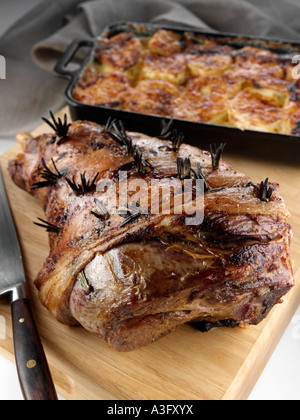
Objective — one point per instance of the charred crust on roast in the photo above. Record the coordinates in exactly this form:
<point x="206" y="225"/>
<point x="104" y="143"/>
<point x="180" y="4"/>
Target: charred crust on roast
<point x="194" y="295"/>
<point x="246" y="255"/>
<point x="205" y="326"/>
<point x="139" y="235"/>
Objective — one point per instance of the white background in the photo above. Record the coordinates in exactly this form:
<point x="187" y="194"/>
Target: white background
<point x="281" y="377"/>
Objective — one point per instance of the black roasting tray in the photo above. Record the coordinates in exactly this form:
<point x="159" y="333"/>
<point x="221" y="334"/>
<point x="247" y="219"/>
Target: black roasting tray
<point x="199" y="134"/>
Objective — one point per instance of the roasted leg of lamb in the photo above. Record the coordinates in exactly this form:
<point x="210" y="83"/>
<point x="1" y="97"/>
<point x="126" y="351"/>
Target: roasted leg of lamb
<point x="132" y="276"/>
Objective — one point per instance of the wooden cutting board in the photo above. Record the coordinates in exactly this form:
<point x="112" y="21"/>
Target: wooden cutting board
<point x="186" y="364"/>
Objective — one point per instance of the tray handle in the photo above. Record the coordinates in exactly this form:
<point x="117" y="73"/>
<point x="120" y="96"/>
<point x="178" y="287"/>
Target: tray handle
<point x="61" y="66"/>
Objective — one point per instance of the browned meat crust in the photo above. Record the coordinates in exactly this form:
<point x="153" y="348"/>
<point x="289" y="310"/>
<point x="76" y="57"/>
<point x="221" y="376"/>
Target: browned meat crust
<point x="147" y="277"/>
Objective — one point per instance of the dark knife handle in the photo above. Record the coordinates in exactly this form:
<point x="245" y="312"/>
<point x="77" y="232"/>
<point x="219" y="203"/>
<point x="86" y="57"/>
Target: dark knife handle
<point x="33" y="370"/>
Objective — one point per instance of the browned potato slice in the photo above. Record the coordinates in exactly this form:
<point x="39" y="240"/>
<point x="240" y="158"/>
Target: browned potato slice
<point x="258" y="109"/>
<point x="209" y="61"/>
<point x="152" y="96"/>
<point x="195" y="105"/>
<point x="171" y="69"/>
<point x="109" y="89"/>
<point x="122" y="52"/>
<point x="165" y="43"/>
<point x="256" y="64"/>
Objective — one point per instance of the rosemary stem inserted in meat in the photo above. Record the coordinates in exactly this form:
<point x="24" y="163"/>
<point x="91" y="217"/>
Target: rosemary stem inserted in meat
<point x="60" y="127"/>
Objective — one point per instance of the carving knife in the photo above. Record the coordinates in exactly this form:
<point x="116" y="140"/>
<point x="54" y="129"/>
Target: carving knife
<point x="33" y="370"/>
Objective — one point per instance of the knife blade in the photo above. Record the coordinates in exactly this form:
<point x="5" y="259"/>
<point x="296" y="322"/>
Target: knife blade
<point x="32" y="366"/>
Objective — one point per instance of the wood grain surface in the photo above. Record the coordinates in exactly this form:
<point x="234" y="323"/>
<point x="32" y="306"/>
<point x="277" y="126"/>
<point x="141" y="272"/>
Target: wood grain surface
<point x="221" y="365"/>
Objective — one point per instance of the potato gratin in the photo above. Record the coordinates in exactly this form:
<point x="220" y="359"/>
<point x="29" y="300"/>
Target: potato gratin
<point x="196" y="78"/>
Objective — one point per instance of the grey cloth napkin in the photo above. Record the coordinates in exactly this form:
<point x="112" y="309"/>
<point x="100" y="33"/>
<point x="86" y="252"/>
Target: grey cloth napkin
<point x="34" y="44"/>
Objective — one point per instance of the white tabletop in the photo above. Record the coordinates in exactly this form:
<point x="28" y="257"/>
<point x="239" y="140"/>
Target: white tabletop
<point x="281" y="378"/>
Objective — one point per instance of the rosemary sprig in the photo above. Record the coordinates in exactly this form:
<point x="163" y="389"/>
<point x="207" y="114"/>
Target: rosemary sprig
<point x="104" y="215"/>
<point x="132" y="212"/>
<point x="166" y="130"/>
<point x="184" y="168"/>
<point x="60" y="127"/>
<point x="85" y="187"/>
<point x="216" y="154"/>
<point x="171" y="134"/>
<point x="116" y="130"/>
<point x="48" y="226"/>
<point x="140" y="163"/>
<point x="177" y="142"/>
<point x="200" y="175"/>
<point x="87" y="287"/>
<point x="185" y="171"/>
<point x="50" y="177"/>
<point x="265" y="192"/>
